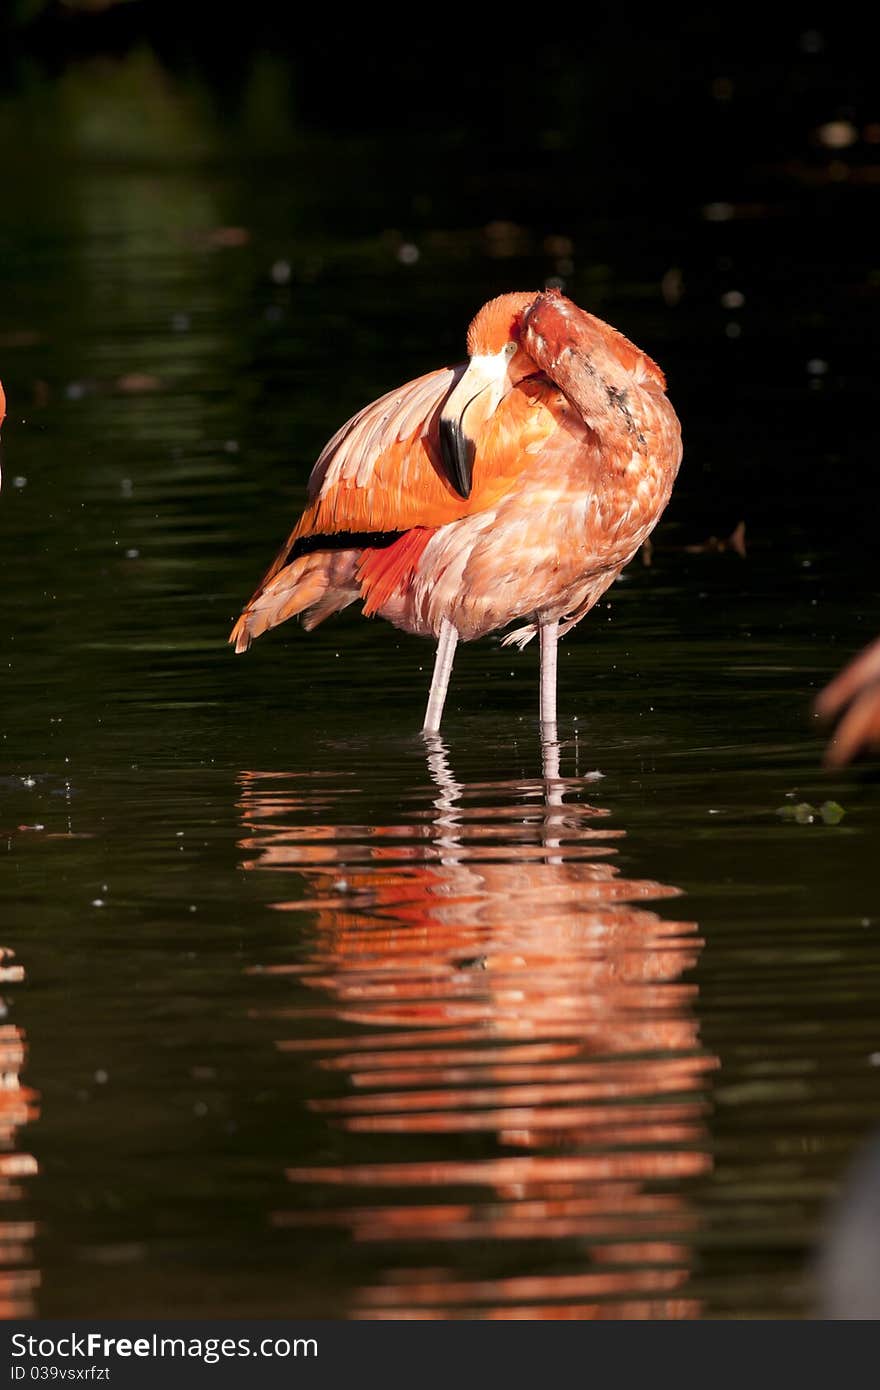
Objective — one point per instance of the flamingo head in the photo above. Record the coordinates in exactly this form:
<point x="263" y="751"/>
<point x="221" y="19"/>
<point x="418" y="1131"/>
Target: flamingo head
<point x="498" y="361"/>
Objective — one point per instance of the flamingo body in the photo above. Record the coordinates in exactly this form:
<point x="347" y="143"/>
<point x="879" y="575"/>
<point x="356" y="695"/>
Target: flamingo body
<point x="512" y="489"/>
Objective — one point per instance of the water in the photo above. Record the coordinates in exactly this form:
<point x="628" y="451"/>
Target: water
<point x="305" y="1016"/>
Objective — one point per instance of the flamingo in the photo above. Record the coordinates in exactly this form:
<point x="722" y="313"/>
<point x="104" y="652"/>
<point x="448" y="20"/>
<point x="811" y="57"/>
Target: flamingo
<point x="514" y="487"/>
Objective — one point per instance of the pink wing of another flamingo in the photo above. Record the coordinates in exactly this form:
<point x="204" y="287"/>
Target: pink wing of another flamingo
<point x="854" y="697"/>
<point x="2" y="416"/>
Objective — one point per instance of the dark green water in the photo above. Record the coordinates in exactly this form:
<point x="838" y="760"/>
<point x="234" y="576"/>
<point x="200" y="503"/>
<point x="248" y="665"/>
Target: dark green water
<point x="303" y="1017"/>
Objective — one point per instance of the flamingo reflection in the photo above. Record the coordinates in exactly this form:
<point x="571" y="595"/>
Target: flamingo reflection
<point x="18" y="1280"/>
<point x="515" y="1050"/>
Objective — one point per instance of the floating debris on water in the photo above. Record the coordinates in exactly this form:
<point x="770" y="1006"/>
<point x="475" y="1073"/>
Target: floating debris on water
<point x="735" y="542"/>
<point x="837" y="135"/>
<point x="222" y="238"/>
<point x="138" y="383"/>
<point x="672" y="286"/>
<point x="802" y="813"/>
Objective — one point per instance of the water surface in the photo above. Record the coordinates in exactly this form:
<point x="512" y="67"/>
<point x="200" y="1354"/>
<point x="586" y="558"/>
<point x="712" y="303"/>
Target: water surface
<point x="305" y="1016"/>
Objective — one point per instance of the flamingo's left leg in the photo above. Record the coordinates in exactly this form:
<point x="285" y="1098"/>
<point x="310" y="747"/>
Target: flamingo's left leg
<point x="440" y="679"/>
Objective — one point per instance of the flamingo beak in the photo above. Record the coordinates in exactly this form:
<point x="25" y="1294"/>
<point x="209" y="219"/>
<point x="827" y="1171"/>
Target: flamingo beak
<point x="458" y="452"/>
<point x="468" y="407"/>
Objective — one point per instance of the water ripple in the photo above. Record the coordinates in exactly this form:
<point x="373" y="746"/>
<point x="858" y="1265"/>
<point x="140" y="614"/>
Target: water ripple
<point x="516" y="1068"/>
<point x="19" y="1280"/>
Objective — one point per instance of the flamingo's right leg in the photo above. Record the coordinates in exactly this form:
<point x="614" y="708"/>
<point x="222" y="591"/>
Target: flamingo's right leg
<point x="549" y="636"/>
<point x="440" y="679"/>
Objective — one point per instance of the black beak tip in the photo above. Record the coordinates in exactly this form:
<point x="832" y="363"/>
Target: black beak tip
<point x="457" y="451"/>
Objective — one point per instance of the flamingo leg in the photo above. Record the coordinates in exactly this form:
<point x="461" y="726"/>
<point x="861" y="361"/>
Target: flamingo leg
<point x="555" y="809"/>
<point x="554" y="818"/>
<point x="548" y="635"/>
<point x="440" y="679"/>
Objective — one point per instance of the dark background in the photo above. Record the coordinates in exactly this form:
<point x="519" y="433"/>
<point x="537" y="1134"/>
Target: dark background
<point x="655" y="164"/>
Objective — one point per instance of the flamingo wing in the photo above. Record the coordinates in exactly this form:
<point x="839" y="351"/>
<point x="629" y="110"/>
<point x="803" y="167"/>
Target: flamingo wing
<point x="382" y="471"/>
<point x="853" y="697"/>
<point x="381" y="480"/>
<point x="379" y="476"/>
